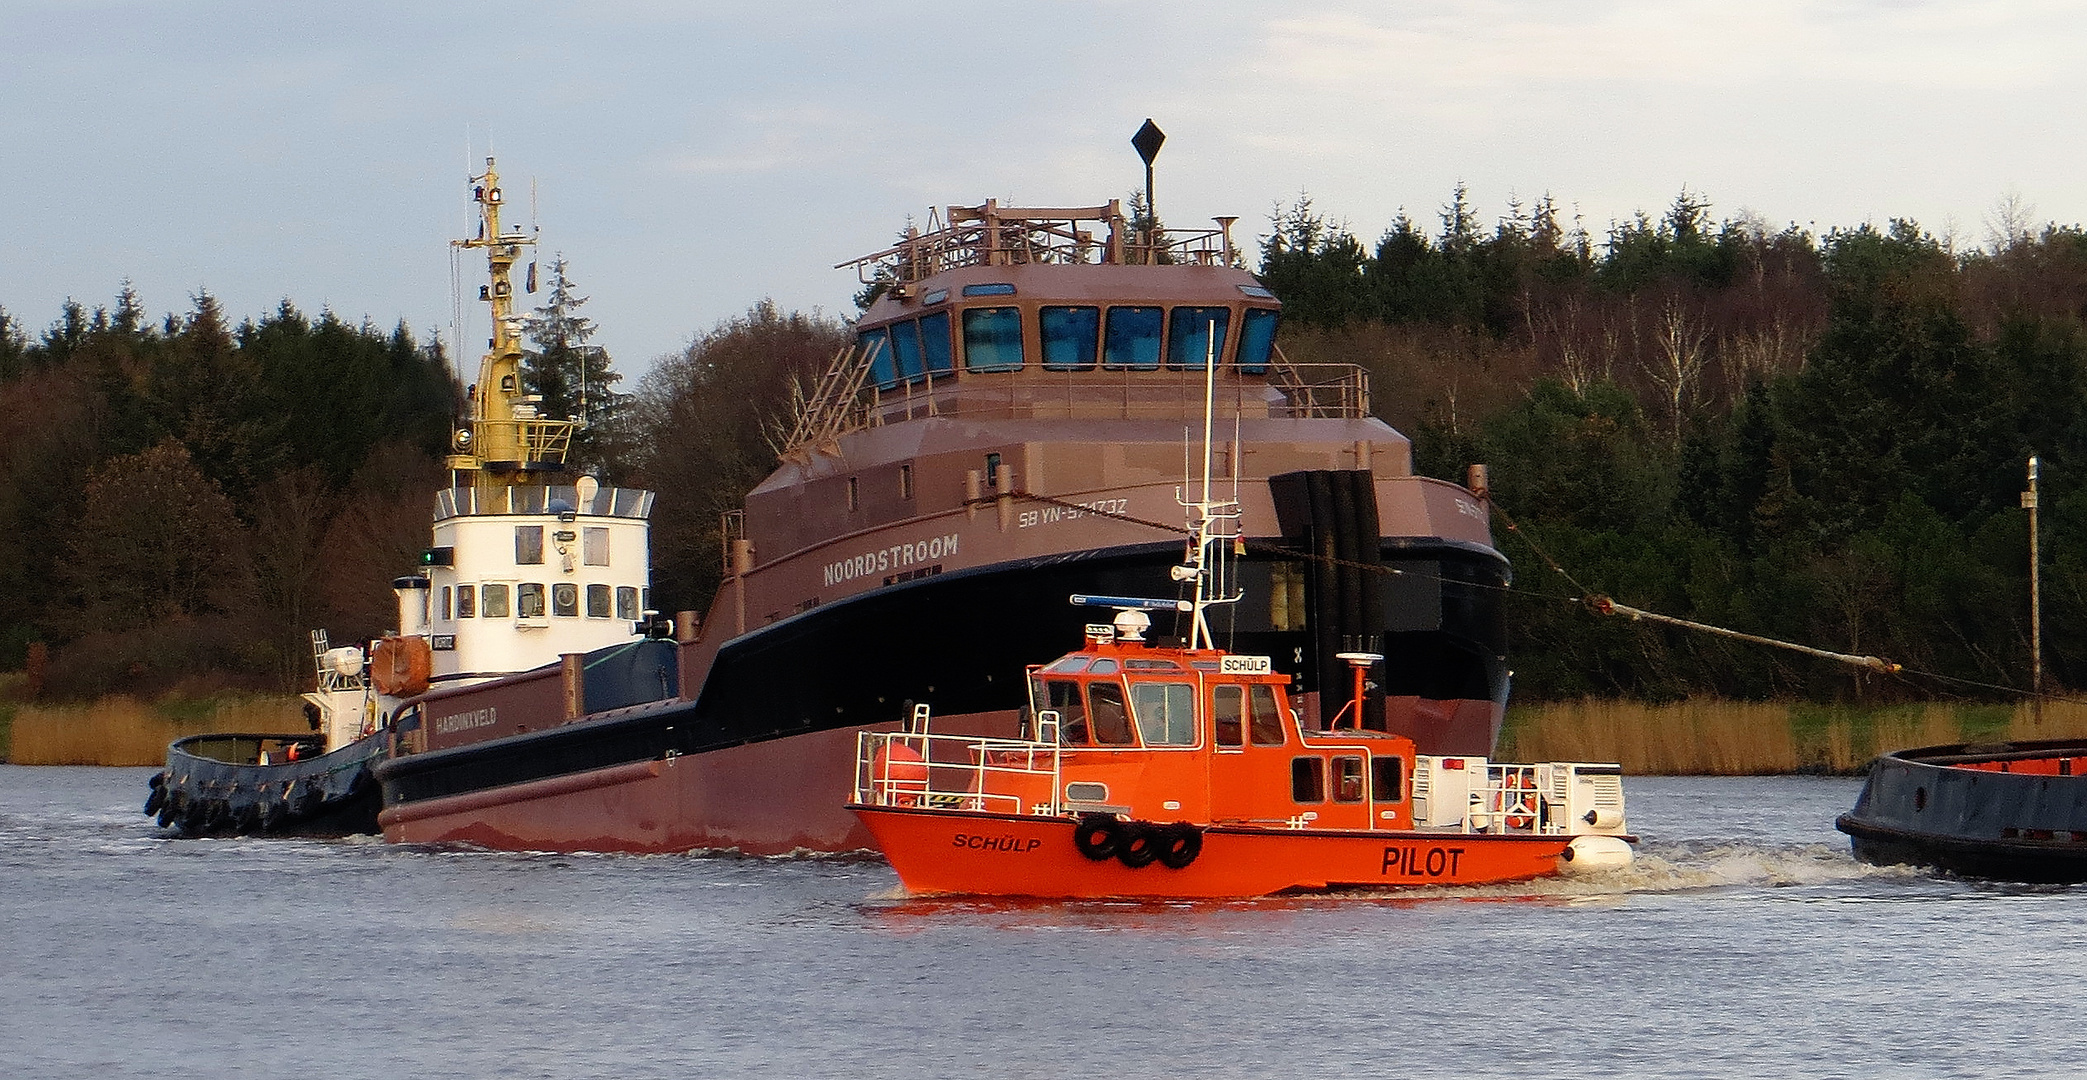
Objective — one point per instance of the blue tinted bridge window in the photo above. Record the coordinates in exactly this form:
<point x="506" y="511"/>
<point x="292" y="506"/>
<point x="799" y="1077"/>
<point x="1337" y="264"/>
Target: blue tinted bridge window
<point x="1071" y="337"/>
<point x="905" y="349"/>
<point x="1197" y="334"/>
<point x="934" y="344"/>
<point x="1132" y="338"/>
<point x="993" y="339"/>
<point x="876" y="344"/>
<point x="1256" y="340"/>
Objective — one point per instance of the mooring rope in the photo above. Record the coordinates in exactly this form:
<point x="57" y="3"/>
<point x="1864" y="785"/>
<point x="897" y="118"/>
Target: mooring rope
<point x="1585" y="597"/>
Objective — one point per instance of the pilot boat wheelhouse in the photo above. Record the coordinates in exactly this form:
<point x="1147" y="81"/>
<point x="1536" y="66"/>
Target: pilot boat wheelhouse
<point x="1007" y="428"/>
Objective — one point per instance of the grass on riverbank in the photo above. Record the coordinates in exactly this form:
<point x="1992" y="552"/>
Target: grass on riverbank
<point x="1734" y="738"/>
<point x="126" y="731"/>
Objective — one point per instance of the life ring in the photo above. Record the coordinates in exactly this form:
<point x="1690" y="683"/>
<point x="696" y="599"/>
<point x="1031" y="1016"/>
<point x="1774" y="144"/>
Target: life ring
<point x="1178" y="845"/>
<point x="1519" y="786"/>
<point x="1098" y="836"/>
<point x="1140" y="845"/>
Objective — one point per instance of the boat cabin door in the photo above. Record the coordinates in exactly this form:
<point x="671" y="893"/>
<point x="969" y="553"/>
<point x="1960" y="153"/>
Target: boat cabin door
<point x="1250" y="754"/>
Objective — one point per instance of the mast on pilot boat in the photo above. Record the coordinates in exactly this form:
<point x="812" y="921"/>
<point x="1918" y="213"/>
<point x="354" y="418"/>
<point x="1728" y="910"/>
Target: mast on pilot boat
<point x="503" y="441"/>
<point x="1210" y="522"/>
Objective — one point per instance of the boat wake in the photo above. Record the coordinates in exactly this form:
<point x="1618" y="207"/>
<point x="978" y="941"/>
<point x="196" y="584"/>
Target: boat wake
<point x="1692" y="866"/>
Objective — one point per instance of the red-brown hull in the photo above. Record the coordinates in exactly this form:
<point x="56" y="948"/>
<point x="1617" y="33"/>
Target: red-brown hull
<point x="766" y="798"/>
<point x="960" y="852"/>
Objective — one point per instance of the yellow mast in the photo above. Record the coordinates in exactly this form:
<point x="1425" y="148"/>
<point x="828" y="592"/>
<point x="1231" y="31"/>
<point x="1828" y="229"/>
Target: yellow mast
<point x="504" y="439"/>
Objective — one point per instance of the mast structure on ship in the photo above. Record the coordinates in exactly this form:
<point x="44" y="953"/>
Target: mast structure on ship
<point x="504" y="440"/>
<point x="1213" y="524"/>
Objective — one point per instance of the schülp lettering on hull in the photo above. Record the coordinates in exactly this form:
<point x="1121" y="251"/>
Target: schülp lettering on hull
<point x="1245" y="665"/>
<point x="895" y="556"/>
<point x="1013" y="845"/>
<point x="1412" y="860"/>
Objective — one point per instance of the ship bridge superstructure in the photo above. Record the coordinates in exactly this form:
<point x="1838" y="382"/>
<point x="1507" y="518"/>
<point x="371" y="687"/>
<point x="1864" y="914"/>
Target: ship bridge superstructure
<point x="1007" y="313"/>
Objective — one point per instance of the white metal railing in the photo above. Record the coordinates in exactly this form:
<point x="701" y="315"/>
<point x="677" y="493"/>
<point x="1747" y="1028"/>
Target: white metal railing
<point x="1550" y="799"/>
<point x="1511" y="802"/>
<point x="913" y="768"/>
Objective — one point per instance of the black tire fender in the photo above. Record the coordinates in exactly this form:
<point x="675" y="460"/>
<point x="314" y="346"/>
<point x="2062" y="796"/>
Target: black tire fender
<point x="1178" y="845"/>
<point x="1098" y="836"/>
<point x="1140" y="845"/>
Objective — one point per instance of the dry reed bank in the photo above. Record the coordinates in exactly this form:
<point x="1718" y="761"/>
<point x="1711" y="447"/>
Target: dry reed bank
<point x="126" y="731"/>
<point x="1732" y="738"/>
<point x="1690" y="738"/>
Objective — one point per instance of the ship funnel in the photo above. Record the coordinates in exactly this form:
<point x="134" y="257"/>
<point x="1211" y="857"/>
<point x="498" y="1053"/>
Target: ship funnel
<point x="413" y="605"/>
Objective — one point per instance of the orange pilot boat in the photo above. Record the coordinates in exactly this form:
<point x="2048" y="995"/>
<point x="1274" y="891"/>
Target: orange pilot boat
<point x="1185" y="771"/>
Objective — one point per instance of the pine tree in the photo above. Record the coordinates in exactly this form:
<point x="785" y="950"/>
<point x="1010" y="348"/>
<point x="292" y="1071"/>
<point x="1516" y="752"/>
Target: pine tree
<point x="574" y="377"/>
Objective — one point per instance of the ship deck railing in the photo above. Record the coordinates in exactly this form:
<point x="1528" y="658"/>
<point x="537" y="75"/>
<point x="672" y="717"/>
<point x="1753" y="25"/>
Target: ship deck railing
<point x="843" y="402"/>
<point x="539" y="499"/>
<point x="958" y="772"/>
<point x="995" y="235"/>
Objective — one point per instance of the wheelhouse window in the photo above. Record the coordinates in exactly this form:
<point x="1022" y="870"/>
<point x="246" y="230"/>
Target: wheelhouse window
<point x="1387" y="780"/>
<point x="1196" y="335"/>
<point x="1257" y="340"/>
<point x="934" y="344"/>
<point x="627" y="603"/>
<point x="1347" y="779"/>
<point x="876" y="344"/>
<point x="1267" y="715"/>
<point x="1166" y="712"/>
<point x="993" y="339"/>
<point x="1105" y="709"/>
<point x="496" y="601"/>
<point x="1131" y="340"/>
<point x="467" y="601"/>
<point x="444" y="616"/>
<point x="1228" y="711"/>
<point x="905" y="350"/>
<point x="565" y="600"/>
<point x="1064" y="696"/>
<point x="597" y="601"/>
<point x="529" y="601"/>
<point x="528" y="545"/>
<point x="1308" y="779"/>
<point x="594" y="546"/>
<point x="1071" y="337"/>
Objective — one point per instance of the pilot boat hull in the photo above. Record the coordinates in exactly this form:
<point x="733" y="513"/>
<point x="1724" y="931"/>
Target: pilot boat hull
<point x="939" y="851"/>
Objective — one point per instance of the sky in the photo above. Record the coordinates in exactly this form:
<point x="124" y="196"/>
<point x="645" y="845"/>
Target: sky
<point x="690" y="159"/>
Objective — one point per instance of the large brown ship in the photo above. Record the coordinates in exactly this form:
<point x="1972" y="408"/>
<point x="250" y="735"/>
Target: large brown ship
<point x="1009" y="427"/>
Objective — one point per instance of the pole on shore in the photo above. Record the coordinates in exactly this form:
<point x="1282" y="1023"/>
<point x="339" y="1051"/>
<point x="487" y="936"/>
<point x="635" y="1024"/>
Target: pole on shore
<point x="2036" y="623"/>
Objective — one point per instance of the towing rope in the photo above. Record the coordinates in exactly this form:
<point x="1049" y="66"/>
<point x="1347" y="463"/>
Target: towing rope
<point x="1593" y="601"/>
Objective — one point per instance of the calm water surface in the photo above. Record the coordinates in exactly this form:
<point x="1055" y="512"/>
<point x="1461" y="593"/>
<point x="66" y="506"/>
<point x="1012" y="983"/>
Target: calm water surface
<point x="1745" y="943"/>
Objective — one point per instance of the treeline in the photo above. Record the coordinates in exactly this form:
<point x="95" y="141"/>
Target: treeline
<point x="1812" y="437"/>
<point x="1815" y="438"/>
<point x="183" y="499"/>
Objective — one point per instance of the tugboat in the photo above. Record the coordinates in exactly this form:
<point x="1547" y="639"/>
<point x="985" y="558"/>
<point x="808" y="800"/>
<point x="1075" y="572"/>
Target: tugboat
<point x="531" y="571"/>
<point x="1006" y="429"/>
<point x="1194" y="758"/>
<point x="2010" y="811"/>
